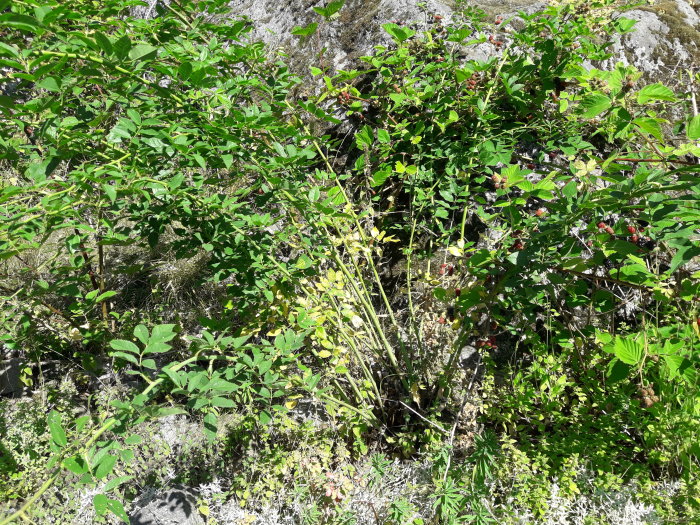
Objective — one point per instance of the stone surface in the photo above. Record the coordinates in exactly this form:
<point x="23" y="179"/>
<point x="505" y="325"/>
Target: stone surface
<point x="9" y="377"/>
<point x="177" y="506"/>
<point x="667" y="35"/>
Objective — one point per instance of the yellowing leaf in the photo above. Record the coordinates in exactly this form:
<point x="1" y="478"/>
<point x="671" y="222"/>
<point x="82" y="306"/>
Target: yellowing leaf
<point x="324" y="354"/>
<point x="455" y="251"/>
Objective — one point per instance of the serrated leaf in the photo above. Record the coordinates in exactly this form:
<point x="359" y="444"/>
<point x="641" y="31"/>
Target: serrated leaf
<point x="617" y="371"/>
<point x="654" y="92"/>
<point x="594" y="105"/>
<point x="628" y="350"/>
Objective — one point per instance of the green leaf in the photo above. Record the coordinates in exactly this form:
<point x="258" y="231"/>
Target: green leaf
<point x="399" y="34"/>
<point x="76" y="465"/>
<point x="594" y="105"/>
<point x="380" y="176"/>
<point x="314" y="194"/>
<point x="115" y="482"/>
<point x="149" y="363"/>
<point x="121" y="47"/>
<point x="58" y="435"/>
<point x="8" y="50"/>
<point x="649" y="125"/>
<point x="223" y="402"/>
<point x="265" y="417"/>
<point x="126" y="346"/>
<point x="125" y="356"/>
<point x="210" y="423"/>
<point x="617" y="371"/>
<point x="104" y="468"/>
<point x="134" y="439"/>
<point x="104" y="43"/>
<point x="163" y="333"/>
<point x="110" y="191"/>
<point x="331" y="9"/>
<point x="383" y="136"/>
<point x="103" y="504"/>
<point x="49" y="84"/>
<point x="628" y="350"/>
<point x="22" y="22"/>
<point x="654" y="92"/>
<point x="305" y="31"/>
<point x="142" y="52"/>
<point x="693" y="128"/>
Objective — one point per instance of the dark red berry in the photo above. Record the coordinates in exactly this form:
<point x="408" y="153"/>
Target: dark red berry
<point x="458" y="292"/>
<point x="631" y="229"/>
<point x="531" y="166"/>
<point x="634" y="238"/>
<point x="442" y="269"/>
<point x="450" y="270"/>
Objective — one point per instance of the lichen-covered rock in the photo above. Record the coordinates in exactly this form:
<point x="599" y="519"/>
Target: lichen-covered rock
<point x="666" y="37"/>
<point x="339" y="42"/>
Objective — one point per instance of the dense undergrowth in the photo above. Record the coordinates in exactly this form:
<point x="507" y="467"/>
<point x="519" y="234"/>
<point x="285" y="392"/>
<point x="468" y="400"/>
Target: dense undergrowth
<point x="496" y="276"/>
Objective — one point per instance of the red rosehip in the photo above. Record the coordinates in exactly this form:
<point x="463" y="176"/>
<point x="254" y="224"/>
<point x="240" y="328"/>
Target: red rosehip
<point x="698" y="321"/>
<point x="442" y="269"/>
<point x="609" y="230"/>
<point x="491" y="38"/>
<point x="601" y="225"/>
<point x="540" y="212"/>
<point x="634" y="238"/>
<point x="450" y="270"/>
<point x="441" y="320"/>
<point x="631" y="229"/>
<point x="438" y="17"/>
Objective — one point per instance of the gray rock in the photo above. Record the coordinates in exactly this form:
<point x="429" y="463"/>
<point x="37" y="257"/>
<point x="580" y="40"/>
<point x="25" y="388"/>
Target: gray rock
<point x="176" y="506"/>
<point x="9" y="376"/>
